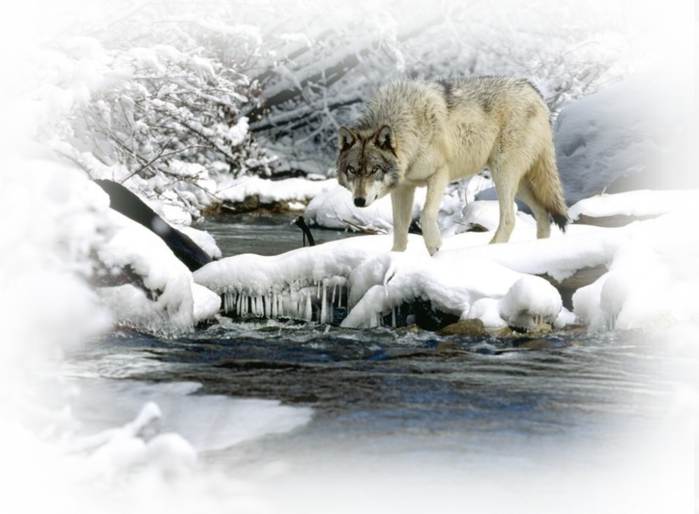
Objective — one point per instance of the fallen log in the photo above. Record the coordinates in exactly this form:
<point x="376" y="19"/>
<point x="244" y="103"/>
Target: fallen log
<point x="127" y="203"/>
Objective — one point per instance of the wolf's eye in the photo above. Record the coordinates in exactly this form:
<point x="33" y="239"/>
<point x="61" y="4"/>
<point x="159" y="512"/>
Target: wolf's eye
<point x="350" y="170"/>
<point x="375" y="169"/>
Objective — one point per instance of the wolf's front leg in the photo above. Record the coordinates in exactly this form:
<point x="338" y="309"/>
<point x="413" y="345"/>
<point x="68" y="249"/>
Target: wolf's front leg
<point x="433" y="201"/>
<point x="402" y="204"/>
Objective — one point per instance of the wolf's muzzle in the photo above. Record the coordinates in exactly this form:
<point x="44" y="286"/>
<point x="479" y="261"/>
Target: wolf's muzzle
<point x="360" y="201"/>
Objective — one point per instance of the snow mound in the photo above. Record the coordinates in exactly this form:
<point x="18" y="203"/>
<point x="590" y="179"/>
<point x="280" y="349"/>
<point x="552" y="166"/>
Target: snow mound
<point x="633" y="203"/>
<point x="271" y="191"/>
<point x="306" y="283"/>
<point x="652" y="279"/>
<point x="622" y="130"/>
<point x="163" y="302"/>
<point x="650" y="275"/>
<point x="529" y="302"/>
<point x="335" y="209"/>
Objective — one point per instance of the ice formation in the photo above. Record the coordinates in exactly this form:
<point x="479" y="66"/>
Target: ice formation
<point x="648" y="262"/>
<point x="306" y="284"/>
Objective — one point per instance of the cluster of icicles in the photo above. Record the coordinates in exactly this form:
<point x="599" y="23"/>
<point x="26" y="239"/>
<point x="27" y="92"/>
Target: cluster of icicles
<point x="306" y="301"/>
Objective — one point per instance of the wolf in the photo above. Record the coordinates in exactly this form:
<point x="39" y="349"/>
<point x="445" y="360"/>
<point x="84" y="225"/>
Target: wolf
<point x="417" y="133"/>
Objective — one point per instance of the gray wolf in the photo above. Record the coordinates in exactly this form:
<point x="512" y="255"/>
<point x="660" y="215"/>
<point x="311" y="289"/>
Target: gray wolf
<point x="417" y="133"/>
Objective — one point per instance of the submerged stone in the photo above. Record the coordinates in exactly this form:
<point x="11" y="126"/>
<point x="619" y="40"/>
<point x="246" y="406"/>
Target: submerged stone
<point x="467" y="327"/>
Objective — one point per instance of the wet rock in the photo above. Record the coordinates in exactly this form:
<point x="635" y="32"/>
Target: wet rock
<point x="536" y="344"/>
<point x="539" y="329"/>
<point x="467" y="327"/>
<point x="447" y="346"/>
<point x="502" y="332"/>
<point x="409" y="329"/>
<point x="575" y="329"/>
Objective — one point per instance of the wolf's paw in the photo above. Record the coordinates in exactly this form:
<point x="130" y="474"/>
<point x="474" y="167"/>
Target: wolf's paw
<point x="433" y="244"/>
<point x="433" y="249"/>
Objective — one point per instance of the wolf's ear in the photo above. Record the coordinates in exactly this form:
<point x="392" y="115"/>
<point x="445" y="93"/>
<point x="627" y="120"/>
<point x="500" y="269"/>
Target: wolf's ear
<point x="347" y="138"/>
<point x="384" y="139"/>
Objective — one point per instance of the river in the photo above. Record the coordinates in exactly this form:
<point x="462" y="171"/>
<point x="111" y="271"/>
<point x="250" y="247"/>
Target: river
<point x="406" y="421"/>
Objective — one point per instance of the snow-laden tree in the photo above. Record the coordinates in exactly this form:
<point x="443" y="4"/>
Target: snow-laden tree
<point x="324" y="71"/>
<point x="174" y="98"/>
<point x="134" y="92"/>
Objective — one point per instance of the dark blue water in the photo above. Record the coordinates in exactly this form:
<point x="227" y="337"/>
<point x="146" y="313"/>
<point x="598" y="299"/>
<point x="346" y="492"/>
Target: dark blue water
<point x="460" y="418"/>
<point x="565" y="418"/>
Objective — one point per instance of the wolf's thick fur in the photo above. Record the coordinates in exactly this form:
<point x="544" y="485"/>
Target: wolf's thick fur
<point x="430" y="133"/>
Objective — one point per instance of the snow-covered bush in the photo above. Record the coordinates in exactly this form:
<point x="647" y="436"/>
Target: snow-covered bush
<point x="153" y="101"/>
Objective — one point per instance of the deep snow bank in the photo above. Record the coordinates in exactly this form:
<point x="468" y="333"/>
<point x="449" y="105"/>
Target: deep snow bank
<point x="471" y="279"/>
<point x="643" y="123"/>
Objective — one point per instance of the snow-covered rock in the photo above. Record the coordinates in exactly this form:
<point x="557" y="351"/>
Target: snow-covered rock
<point x="529" y="302"/>
<point x="163" y="303"/>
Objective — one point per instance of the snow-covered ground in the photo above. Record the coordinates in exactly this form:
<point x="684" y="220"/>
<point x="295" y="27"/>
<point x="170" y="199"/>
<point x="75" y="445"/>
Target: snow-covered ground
<point x="55" y="224"/>
<point x="652" y="272"/>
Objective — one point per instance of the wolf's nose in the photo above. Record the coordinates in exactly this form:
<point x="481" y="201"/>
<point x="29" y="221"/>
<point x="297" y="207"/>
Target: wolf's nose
<point x="360" y="201"/>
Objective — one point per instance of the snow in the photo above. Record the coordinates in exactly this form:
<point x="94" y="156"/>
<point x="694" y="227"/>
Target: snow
<point x="54" y="222"/>
<point x="624" y="130"/>
<point x="206" y="422"/>
<point x="529" y="302"/>
<point x="632" y="203"/>
<point x="164" y="304"/>
<point x="335" y="208"/>
<point x="270" y="191"/>
<point x="468" y="270"/>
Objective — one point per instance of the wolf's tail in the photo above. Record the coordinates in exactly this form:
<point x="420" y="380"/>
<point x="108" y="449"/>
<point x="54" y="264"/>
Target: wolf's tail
<point x="547" y="189"/>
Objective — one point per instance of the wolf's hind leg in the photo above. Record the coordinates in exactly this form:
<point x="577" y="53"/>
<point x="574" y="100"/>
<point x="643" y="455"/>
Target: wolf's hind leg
<point x="433" y="201"/>
<point x="402" y="206"/>
<point x="505" y="187"/>
<point x="543" y="223"/>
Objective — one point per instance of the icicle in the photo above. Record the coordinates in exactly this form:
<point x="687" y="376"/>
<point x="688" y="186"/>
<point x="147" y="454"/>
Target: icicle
<point x="273" y="307"/>
<point x="339" y="300"/>
<point x="393" y="317"/>
<point x="334" y="291"/>
<point x="295" y="308"/>
<point x="308" y="311"/>
<point x="323" y="306"/>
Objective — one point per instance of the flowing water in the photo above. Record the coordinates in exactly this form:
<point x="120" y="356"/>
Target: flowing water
<point x="410" y="421"/>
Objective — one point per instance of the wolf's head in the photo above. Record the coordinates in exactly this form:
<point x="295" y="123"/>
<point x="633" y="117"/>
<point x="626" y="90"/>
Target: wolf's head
<point x="367" y="164"/>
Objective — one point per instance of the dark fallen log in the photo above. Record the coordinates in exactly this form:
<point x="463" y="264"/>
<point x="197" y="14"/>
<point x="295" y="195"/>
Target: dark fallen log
<point x="131" y="206"/>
